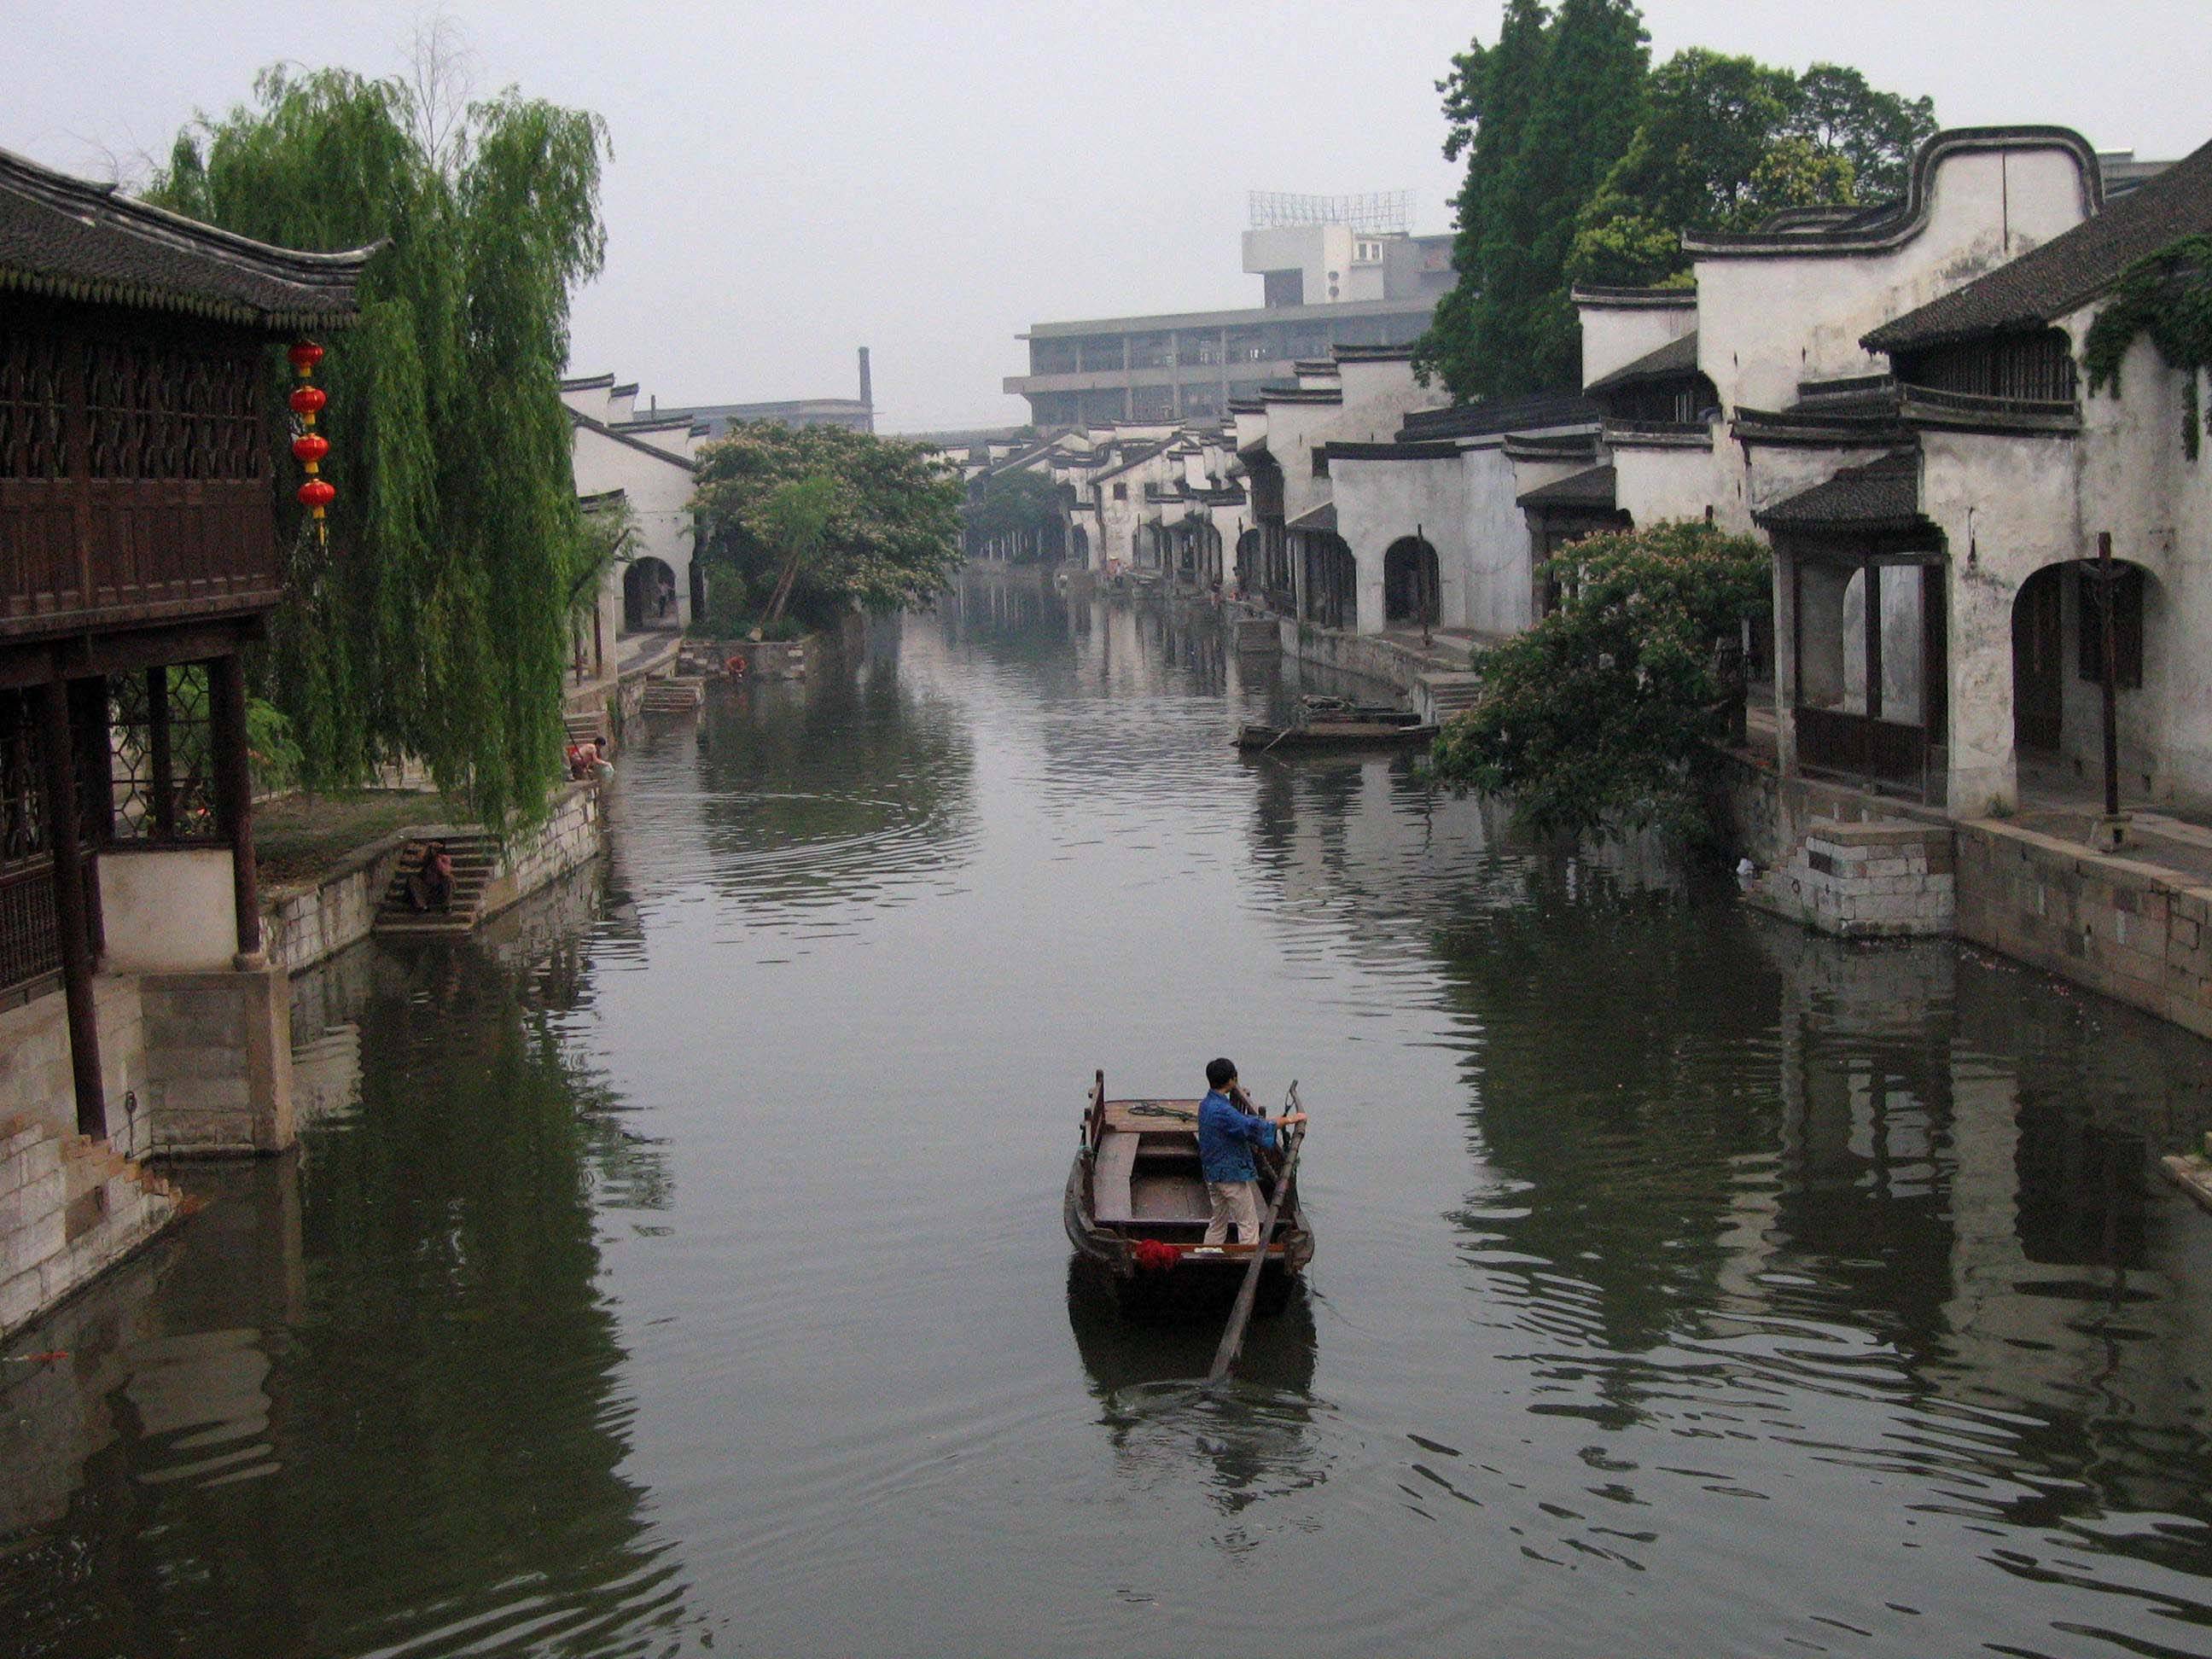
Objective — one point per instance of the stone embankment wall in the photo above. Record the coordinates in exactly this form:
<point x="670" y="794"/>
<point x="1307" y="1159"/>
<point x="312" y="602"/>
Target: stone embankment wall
<point x="69" y="1208"/>
<point x="2139" y="934"/>
<point x="310" y="922"/>
<point x="1869" y="880"/>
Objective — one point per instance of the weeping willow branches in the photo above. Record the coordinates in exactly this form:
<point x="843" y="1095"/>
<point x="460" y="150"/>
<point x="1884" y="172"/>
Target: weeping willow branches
<point x="434" y="624"/>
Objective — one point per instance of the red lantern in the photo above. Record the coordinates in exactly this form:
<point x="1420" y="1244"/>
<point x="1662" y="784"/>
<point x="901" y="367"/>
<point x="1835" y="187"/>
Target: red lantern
<point x="310" y="447"/>
<point x="305" y="355"/>
<point x="318" y="494"/>
<point x="307" y="399"/>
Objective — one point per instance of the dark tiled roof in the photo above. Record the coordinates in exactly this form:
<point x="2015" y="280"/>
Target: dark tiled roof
<point x="1502" y="415"/>
<point x="1358" y="452"/>
<point x="68" y="240"/>
<point x="2069" y="270"/>
<point x="577" y="418"/>
<point x="1882" y="495"/>
<point x="1592" y="487"/>
<point x="1603" y="296"/>
<point x="1320" y="517"/>
<point x="1889" y="224"/>
<point x="1671" y="360"/>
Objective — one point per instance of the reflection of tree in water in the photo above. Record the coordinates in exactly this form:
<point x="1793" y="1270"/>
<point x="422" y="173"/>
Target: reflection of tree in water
<point x="446" y="1415"/>
<point x="1145" y="1375"/>
<point x="820" y="791"/>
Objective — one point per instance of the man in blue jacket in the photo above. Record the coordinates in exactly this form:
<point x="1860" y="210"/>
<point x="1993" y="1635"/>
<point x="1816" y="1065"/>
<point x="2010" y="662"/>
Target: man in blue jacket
<point x="1227" y="1132"/>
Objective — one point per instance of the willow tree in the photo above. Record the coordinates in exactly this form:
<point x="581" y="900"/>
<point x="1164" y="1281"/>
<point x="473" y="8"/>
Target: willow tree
<point x="433" y="623"/>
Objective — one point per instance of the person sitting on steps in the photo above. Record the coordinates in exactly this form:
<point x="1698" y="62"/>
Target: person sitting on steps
<point x="430" y="883"/>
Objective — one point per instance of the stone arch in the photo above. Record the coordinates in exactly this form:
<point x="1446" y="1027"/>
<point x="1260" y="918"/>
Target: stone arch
<point x="1412" y="585"/>
<point x="649" y="595"/>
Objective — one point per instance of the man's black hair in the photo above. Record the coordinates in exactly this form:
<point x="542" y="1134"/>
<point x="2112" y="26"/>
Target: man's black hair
<point x="1220" y="1073"/>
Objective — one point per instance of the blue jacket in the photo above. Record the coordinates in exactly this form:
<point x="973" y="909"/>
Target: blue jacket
<point x="1226" y="1137"/>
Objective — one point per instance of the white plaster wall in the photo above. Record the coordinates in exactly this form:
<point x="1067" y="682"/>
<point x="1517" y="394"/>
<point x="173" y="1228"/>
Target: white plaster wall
<point x="1766" y="322"/>
<point x="167" y="911"/>
<point x="2137" y="482"/>
<point x="1499" y="597"/>
<point x="1378" y="502"/>
<point x="2006" y="508"/>
<point x="1616" y="336"/>
<point x="1654" y="485"/>
<point x="659" y="487"/>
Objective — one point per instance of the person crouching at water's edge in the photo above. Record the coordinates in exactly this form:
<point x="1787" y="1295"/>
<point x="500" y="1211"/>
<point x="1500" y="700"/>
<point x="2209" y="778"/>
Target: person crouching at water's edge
<point x="1228" y="1130"/>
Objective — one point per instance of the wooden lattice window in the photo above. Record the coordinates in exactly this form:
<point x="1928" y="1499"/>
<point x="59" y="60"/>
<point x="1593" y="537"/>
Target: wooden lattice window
<point x="30" y="931"/>
<point x="159" y="411"/>
<point x="32" y="444"/>
<point x="160" y="746"/>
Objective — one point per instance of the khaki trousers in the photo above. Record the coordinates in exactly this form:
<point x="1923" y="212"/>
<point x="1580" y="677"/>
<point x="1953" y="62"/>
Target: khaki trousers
<point x="1237" y="1202"/>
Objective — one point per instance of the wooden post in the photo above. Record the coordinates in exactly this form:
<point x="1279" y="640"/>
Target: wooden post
<point x="157" y="738"/>
<point x="2105" y="576"/>
<point x="233" y="778"/>
<point x="60" y="757"/>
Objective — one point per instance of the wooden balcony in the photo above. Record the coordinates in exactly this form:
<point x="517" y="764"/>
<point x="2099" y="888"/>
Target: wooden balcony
<point x="135" y="480"/>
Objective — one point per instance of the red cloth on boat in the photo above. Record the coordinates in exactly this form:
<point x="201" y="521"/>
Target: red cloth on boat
<point x="1152" y="1255"/>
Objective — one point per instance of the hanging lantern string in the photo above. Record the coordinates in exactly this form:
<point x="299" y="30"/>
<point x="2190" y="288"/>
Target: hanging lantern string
<point x="310" y="447"/>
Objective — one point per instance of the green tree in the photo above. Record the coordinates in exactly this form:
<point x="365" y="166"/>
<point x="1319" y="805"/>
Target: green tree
<point x="435" y="623"/>
<point x="1597" y="719"/>
<point x="1486" y="106"/>
<point x="1584" y="115"/>
<point x="879" y="521"/>
<point x="1025" y="505"/>
<point x="1724" y="142"/>
<point x="1879" y="133"/>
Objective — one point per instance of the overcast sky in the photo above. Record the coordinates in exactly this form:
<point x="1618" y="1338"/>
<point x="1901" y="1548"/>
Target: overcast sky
<point x="792" y="181"/>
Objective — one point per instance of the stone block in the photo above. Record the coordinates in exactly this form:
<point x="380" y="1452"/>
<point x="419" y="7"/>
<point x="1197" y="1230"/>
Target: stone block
<point x="23" y="1248"/>
<point x="20" y="1299"/>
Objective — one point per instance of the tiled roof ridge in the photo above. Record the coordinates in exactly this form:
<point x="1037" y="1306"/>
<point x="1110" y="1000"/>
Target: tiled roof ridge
<point x="319" y="288"/>
<point x="578" y="418"/>
<point x="1677" y="356"/>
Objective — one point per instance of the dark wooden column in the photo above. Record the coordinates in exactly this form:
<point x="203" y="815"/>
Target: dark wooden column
<point x="59" y="756"/>
<point x="233" y="782"/>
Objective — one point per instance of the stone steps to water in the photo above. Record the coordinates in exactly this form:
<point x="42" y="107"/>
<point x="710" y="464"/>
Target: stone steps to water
<point x="1451" y="694"/>
<point x="673" y="696"/>
<point x="475" y="861"/>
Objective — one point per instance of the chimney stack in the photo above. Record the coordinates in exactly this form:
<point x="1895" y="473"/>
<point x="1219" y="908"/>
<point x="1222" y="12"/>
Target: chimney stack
<point x="867" y="390"/>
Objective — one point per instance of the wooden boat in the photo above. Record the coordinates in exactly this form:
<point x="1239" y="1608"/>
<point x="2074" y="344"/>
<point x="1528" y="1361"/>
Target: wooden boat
<point x="1334" y="734"/>
<point x="1316" y="710"/>
<point x="1136" y="1210"/>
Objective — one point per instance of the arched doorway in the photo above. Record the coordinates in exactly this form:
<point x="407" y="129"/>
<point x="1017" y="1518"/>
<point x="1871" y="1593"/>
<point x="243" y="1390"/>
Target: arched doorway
<point x="649" y="596"/>
<point x="1248" y="574"/>
<point x="1078" y="545"/>
<point x="2058" y="618"/>
<point x="1412" y="591"/>
<point x="1332" y="582"/>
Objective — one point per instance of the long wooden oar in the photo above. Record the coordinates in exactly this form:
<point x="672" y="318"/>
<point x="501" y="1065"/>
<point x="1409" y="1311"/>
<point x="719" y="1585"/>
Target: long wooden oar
<point x="1240" y="1314"/>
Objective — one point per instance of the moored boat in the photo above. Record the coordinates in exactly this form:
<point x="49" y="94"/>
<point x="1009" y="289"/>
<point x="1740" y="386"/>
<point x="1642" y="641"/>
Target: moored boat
<point x="1136" y="1210"/>
<point x="1337" y="733"/>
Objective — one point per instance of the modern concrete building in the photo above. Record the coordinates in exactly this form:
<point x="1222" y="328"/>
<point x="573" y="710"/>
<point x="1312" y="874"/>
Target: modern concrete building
<point x="1337" y="272"/>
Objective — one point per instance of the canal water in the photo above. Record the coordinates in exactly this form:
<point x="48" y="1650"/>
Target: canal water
<point x="678" y="1268"/>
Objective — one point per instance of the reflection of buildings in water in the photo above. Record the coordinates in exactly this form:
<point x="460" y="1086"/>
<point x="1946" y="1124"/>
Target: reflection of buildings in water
<point x="170" y="1351"/>
<point x="421" y="1346"/>
<point x="326" y="1074"/>
<point x="1145" y="1375"/>
<point x="1993" y="1155"/>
